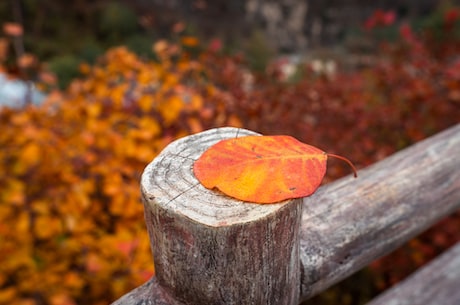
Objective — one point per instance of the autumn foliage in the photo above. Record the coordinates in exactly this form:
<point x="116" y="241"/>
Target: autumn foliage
<point x="71" y="222"/>
<point x="409" y="91"/>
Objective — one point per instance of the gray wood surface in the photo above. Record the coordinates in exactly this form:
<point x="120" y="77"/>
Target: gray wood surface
<point x="212" y="249"/>
<point x="345" y="225"/>
<point x="351" y="222"/>
<point x="437" y="283"/>
<point x="150" y="293"/>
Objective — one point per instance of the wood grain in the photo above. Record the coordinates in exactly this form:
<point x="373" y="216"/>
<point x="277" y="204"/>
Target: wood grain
<point x="150" y="293"/>
<point x="437" y="283"/>
<point x="351" y="222"/>
<point x="345" y="225"/>
<point x="209" y="248"/>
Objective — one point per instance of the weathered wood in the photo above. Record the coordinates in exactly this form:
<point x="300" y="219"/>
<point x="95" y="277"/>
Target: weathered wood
<point x="345" y="224"/>
<point x="351" y="222"/>
<point x="150" y="293"/>
<point x="209" y="248"/>
<point x="437" y="283"/>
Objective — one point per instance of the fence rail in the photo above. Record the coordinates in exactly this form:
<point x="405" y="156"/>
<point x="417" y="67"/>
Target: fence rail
<point x="436" y="283"/>
<point x="209" y="249"/>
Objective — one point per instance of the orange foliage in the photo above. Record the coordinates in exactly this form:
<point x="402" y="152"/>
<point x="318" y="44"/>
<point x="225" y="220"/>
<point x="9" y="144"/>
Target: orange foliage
<point x="71" y="221"/>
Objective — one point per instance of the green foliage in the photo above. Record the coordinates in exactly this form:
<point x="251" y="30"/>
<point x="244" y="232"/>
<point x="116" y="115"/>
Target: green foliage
<point x="116" y="22"/>
<point x="258" y="51"/>
<point x="89" y="51"/>
<point x="442" y="24"/>
<point x="139" y="45"/>
<point x="66" y="67"/>
<point x="66" y="34"/>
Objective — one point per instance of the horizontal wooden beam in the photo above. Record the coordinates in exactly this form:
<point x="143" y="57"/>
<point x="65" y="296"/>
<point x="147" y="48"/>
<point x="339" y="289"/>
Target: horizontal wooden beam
<point x="434" y="284"/>
<point x="149" y="293"/>
<point x="351" y="222"/>
<point x="346" y="224"/>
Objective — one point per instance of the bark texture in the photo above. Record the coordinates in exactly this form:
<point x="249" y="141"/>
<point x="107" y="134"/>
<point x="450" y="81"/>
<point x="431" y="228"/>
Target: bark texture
<point x="351" y="222"/>
<point x="211" y="249"/>
<point x="437" y="283"/>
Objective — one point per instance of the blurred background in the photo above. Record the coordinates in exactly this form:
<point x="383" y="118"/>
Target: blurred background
<point x="91" y="91"/>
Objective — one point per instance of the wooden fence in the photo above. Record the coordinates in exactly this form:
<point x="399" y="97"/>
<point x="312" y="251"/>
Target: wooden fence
<point x="210" y="249"/>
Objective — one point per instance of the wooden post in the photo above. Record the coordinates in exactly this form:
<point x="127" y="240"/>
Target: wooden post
<point x="212" y="249"/>
<point x="346" y="224"/>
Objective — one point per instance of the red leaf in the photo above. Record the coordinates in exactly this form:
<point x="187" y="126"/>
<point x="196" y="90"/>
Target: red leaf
<point x="262" y="169"/>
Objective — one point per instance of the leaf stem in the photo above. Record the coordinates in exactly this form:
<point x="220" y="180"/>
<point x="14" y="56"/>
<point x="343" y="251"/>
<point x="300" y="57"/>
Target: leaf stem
<point x="347" y="161"/>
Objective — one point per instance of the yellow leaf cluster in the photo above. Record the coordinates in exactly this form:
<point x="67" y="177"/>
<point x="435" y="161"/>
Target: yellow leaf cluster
<point x="71" y="218"/>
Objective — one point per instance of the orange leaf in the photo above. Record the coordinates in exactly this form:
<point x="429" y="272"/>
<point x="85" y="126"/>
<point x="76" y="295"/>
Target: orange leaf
<point x="94" y="263"/>
<point x="160" y="46"/>
<point x="13" y="29"/>
<point x="62" y="299"/>
<point x="262" y="169"/>
<point x="31" y="154"/>
<point x="3" y="49"/>
<point x="27" y="61"/>
<point x="178" y="27"/>
<point x="189" y="41"/>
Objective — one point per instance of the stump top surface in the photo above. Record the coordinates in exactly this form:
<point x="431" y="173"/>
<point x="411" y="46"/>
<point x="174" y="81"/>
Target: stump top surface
<point x="169" y="182"/>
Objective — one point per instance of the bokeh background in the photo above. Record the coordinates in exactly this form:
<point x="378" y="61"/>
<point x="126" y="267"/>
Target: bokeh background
<point x="92" y="91"/>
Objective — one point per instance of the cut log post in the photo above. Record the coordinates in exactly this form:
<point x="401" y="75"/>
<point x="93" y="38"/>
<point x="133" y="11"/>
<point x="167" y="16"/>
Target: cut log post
<point x="209" y="248"/>
<point x="434" y="284"/>
<point x="245" y="254"/>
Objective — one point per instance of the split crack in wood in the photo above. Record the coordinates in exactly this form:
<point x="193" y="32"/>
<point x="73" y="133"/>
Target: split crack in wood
<point x="194" y="230"/>
<point x="170" y="177"/>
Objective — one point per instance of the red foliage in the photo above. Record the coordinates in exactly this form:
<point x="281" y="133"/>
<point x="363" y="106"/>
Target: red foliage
<point x="411" y="91"/>
<point x="451" y="17"/>
<point x="380" y="18"/>
<point x="70" y="172"/>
